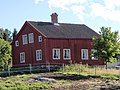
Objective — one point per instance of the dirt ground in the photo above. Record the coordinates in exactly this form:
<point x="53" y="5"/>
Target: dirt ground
<point x="83" y="83"/>
<point x="90" y="84"/>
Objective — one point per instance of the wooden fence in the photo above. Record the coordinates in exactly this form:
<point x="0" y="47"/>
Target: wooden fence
<point x="31" y="68"/>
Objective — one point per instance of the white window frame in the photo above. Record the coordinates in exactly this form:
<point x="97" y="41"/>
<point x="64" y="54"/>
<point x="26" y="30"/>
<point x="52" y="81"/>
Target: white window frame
<point x="39" y="55"/>
<point x="84" y="51"/>
<point x="68" y="53"/>
<point x="40" y="38"/>
<point x="92" y="54"/>
<point x="22" y="57"/>
<point x="57" y="53"/>
<point x="24" y="39"/>
<point x="16" y="43"/>
<point x="31" y="37"/>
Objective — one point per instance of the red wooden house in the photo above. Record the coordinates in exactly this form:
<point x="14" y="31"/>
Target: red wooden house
<point x="53" y="42"/>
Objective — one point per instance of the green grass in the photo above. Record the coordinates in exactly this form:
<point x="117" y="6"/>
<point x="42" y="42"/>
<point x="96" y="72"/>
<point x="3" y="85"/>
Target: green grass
<point x="20" y="82"/>
<point x="85" y="70"/>
<point x="10" y="85"/>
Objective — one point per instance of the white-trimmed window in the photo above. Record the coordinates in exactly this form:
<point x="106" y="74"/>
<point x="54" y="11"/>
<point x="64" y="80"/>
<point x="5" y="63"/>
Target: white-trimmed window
<point x="56" y="53"/>
<point x="93" y="51"/>
<point x="24" y="39"/>
<point x="66" y="54"/>
<point x="31" y="37"/>
<point x="38" y="54"/>
<point x="16" y="43"/>
<point x="39" y="38"/>
<point x="84" y="54"/>
<point x="22" y="57"/>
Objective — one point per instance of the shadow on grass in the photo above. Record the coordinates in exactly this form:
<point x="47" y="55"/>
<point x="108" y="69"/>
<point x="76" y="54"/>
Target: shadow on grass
<point x="73" y="77"/>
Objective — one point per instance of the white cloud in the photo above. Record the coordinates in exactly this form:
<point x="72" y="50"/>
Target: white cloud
<point x="79" y="11"/>
<point x="106" y="9"/>
<point x="38" y="1"/>
<point x="74" y="5"/>
<point x="64" y="4"/>
<point x="112" y="4"/>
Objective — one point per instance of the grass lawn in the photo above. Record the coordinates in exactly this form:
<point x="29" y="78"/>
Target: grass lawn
<point x="73" y="76"/>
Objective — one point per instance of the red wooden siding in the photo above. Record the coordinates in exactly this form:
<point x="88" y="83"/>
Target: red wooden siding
<point x="75" y="45"/>
<point x="47" y="44"/>
<point x="29" y="49"/>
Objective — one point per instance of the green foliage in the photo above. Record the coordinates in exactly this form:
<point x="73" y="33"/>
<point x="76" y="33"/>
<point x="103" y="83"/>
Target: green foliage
<point x="5" y="34"/>
<point x="5" y="54"/>
<point x="14" y="33"/>
<point x="107" y="45"/>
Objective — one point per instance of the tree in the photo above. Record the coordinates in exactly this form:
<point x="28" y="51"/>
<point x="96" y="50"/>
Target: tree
<point x="107" y="45"/>
<point x="5" y="34"/>
<point x="5" y="54"/>
<point x="1" y="33"/>
<point x="14" y="33"/>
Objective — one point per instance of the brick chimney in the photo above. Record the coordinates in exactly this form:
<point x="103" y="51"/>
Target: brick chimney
<point x="54" y="18"/>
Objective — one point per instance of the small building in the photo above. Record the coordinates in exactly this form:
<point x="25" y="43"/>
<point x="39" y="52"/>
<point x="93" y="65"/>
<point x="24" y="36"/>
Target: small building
<point x="53" y="42"/>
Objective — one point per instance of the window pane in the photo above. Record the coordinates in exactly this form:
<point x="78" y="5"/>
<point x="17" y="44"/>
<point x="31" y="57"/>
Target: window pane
<point x="56" y="53"/>
<point x="38" y="55"/>
<point x="84" y="54"/>
<point x="22" y="57"/>
<point x="31" y="38"/>
<point x="16" y="43"/>
<point x="25" y="41"/>
<point x="40" y="38"/>
<point x="66" y="54"/>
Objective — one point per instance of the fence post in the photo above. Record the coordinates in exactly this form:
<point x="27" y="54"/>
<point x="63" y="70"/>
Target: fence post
<point x="79" y="68"/>
<point x="63" y="67"/>
<point x="49" y="67"/>
<point x="30" y="67"/>
<point x="119" y="71"/>
<point x="8" y="70"/>
<point x="95" y="69"/>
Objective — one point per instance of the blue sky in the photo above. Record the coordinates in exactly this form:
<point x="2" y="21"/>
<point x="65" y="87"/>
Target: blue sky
<point x="93" y="13"/>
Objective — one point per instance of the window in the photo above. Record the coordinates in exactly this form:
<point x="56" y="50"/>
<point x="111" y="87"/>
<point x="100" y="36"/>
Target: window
<point x="56" y="53"/>
<point x="84" y="54"/>
<point x="16" y="43"/>
<point x="93" y="51"/>
<point x="66" y="54"/>
<point x="38" y="55"/>
<point x="31" y="38"/>
<point x="24" y="38"/>
<point x="22" y="57"/>
<point x="39" y="38"/>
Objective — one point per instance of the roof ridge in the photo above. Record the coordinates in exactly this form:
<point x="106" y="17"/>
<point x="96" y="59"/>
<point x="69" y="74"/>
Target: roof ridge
<point x="58" y="23"/>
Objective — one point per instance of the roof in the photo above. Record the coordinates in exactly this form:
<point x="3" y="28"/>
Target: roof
<point x="64" y="30"/>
